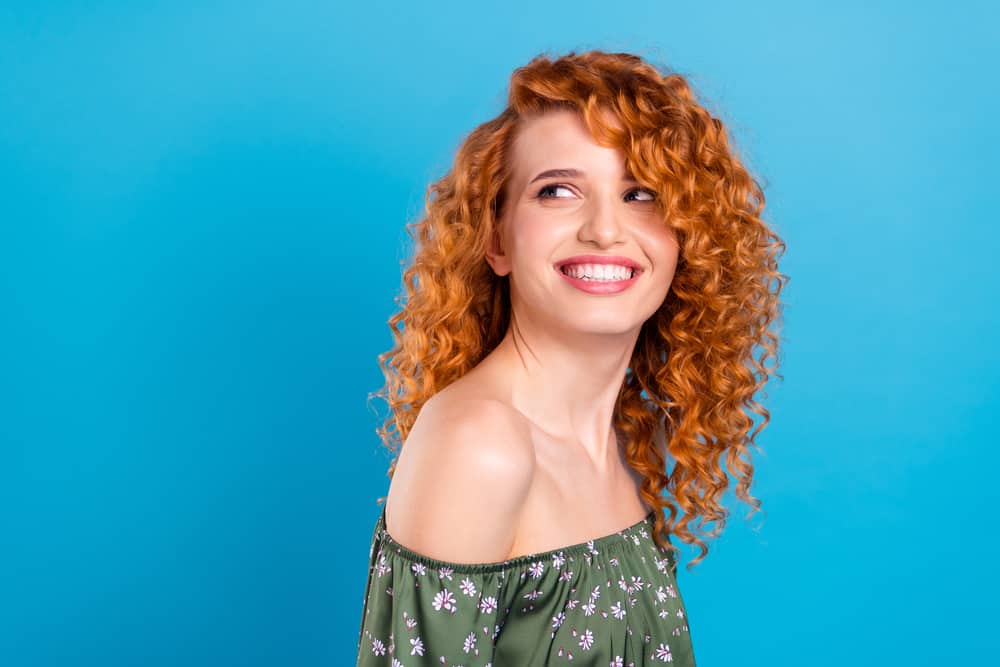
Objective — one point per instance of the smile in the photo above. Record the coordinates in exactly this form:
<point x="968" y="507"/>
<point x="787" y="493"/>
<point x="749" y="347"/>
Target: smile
<point x="600" y="278"/>
<point x="603" y="272"/>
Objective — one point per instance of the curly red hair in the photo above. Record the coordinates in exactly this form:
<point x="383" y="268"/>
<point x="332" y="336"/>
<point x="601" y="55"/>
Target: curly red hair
<point x="698" y="361"/>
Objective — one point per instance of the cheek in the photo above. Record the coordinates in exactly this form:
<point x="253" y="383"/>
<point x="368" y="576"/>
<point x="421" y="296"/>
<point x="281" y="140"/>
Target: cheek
<point x="662" y="245"/>
<point x="534" y="238"/>
<point x="670" y="252"/>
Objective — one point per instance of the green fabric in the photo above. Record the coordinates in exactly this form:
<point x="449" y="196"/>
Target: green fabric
<point x="611" y="601"/>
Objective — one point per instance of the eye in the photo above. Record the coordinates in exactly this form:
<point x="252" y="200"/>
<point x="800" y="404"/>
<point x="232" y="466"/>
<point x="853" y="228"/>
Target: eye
<point x="541" y="194"/>
<point x="652" y="195"/>
<point x="550" y="187"/>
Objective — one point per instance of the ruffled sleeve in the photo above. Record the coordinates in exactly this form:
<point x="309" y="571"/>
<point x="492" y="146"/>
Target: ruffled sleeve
<point x="610" y="600"/>
<point x="421" y="611"/>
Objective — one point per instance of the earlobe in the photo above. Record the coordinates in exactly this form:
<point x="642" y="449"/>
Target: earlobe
<point x="495" y="255"/>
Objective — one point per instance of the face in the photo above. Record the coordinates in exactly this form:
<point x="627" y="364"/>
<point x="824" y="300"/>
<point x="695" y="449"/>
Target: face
<point x="568" y="198"/>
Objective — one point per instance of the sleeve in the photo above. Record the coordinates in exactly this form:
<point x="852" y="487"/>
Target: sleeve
<point x="419" y="611"/>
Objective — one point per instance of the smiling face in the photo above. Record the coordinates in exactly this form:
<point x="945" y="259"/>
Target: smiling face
<point x="569" y="197"/>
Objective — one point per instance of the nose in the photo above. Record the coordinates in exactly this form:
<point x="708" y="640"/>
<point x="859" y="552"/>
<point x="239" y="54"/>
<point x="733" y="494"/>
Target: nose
<point x="601" y="225"/>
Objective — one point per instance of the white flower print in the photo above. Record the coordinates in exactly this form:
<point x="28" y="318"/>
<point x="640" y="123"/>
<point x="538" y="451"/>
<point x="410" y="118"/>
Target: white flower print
<point x="636" y="584"/>
<point x="445" y="600"/>
<point x="663" y="654"/>
<point x="533" y="595"/>
<point x="566" y="581"/>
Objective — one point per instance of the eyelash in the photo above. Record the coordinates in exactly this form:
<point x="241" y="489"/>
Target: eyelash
<point x="538" y="195"/>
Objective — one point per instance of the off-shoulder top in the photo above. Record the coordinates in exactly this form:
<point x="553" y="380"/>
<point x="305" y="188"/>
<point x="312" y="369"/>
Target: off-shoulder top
<point x="610" y="601"/>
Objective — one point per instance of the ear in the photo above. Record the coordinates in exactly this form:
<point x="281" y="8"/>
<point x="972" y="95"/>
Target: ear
<point x="497" y="257"/>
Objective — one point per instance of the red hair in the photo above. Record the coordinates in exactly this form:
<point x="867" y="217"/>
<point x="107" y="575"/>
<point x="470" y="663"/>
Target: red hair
<point x="698" y="361"/>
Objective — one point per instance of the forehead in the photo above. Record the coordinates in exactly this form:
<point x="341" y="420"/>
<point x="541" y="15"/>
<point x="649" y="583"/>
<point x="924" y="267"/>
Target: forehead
<point x="560" y="139"/>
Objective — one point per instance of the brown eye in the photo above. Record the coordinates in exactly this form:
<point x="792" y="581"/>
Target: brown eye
<point x="548" y="188"/>
<point x="652" y="195"/>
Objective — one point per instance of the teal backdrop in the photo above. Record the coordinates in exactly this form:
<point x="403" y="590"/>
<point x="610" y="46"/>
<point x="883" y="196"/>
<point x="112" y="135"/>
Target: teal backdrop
<point x="201" y="235"/>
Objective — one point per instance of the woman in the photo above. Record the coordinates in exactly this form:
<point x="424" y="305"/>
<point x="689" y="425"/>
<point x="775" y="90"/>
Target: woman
<point x="590" y="283"/>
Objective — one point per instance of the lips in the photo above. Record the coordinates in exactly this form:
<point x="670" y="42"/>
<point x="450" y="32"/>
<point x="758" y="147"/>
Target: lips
<point x="599" y="259"/>
<point x="600" y="287"/>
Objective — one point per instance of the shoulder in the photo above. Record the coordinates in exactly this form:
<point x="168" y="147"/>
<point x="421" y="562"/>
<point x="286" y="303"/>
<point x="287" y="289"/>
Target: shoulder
<point x="461" y="480"/>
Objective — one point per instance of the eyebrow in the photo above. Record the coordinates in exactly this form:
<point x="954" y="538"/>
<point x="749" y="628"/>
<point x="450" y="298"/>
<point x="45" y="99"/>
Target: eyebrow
<point x="570" y="173"/>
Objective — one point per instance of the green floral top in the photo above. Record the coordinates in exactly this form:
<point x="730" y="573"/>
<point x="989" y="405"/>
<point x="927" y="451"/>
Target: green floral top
<point x="610" y="601"/>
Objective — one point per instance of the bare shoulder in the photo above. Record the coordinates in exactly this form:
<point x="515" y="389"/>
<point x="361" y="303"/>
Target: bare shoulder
<point x="461" y="480"/>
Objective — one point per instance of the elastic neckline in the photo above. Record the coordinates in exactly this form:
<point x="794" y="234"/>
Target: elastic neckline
<point x="609" y="543"/>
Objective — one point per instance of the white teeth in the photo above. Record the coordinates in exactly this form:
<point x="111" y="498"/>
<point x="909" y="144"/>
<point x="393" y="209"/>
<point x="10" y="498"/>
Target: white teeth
<point x="598" y="272"/>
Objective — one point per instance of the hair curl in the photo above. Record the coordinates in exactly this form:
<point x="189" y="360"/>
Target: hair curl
<point x="693" y="373"/>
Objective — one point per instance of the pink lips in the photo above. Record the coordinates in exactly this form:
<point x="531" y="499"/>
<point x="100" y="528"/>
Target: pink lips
<point x="600" y="286"/>
<point x="599" y="259"/>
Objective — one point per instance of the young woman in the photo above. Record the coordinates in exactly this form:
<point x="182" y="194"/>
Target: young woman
<point x="591" y="283"/>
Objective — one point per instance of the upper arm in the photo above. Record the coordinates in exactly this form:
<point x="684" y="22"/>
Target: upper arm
<point x="461" y="480"/>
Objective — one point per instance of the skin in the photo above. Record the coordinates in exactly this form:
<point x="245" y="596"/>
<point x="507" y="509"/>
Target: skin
<point x="559" y="368"/>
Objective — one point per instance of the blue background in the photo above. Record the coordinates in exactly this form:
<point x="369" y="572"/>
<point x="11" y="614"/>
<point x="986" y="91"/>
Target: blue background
<point x="201" y="230"/>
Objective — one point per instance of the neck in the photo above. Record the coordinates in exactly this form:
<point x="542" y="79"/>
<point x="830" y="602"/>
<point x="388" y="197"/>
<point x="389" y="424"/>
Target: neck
<point x="567" y="382"/>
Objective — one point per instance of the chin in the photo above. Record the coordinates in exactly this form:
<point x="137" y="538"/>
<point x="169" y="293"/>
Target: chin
<point x="602" y="325"/>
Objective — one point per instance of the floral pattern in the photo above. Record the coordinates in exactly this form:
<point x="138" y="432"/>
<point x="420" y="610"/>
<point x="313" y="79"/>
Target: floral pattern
<point x="613" y="600"/>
